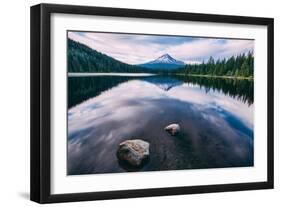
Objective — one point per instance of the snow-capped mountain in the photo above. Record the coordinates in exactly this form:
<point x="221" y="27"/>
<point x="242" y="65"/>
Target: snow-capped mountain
<point x="166" y="58"/>
<point x="165" y="84"/>
<point x="164" y="62"/>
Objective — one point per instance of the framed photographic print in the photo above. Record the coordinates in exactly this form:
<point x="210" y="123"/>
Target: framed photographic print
<point x="132" y="103"/>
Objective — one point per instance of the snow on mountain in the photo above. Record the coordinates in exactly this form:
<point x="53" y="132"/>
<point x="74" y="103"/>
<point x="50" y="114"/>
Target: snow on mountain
<point x="166" y="58"/>
<point x="164" y="62"/>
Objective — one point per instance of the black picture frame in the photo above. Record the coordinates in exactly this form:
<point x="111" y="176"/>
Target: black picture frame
<point x="41" y="99"/>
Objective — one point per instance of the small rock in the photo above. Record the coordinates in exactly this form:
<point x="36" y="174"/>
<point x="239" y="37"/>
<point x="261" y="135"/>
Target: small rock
<point x="173" y="129"/>
<point x="134" y="152"/>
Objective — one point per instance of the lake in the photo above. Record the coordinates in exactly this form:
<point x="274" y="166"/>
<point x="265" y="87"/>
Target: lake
<point x="215" y="116"/>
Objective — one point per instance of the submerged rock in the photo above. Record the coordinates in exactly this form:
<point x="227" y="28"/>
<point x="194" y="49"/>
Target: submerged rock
<point x="133" y="152"/>
<point x="173" y="129"/>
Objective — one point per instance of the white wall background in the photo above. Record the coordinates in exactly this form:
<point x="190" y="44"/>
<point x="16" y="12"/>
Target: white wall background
<point x="14" y="104"/>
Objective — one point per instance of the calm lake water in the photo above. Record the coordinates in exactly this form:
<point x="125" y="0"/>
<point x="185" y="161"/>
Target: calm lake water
<point x="215" y="116"/>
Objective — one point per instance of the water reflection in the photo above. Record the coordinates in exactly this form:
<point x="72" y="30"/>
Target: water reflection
<point x="236" y="88"/>
<point x="83" y="88"/>
<point x="216" y="124"/>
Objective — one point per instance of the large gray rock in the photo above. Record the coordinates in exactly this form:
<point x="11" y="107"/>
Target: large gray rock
<point x="173" y="129"/>
<point x="133" y="152"/>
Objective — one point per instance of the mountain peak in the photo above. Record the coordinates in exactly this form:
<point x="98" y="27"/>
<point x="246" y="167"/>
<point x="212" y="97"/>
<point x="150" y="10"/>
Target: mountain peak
<point x="165" y="61"/>
<point x="166" y="55"/>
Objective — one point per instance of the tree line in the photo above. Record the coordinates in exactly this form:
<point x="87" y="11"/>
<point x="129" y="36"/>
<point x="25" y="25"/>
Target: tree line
<point x="239" y="66"/>
<point x="81" y="58"/>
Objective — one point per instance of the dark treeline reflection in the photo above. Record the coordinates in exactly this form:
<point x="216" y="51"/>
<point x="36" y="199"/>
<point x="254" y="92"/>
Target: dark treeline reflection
<point x="83" y="88"/>
<point x="242" y="89"/>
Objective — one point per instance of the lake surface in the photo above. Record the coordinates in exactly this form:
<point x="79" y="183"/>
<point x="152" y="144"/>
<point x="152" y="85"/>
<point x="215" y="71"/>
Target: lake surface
<point x="215" y="116"/>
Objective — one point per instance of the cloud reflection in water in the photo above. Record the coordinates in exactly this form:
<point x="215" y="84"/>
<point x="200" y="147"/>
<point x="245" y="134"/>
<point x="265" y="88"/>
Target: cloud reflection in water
<point x="217" y="130"/>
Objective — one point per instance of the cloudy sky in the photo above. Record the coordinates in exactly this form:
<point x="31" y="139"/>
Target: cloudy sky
<point x="137" y="49"/>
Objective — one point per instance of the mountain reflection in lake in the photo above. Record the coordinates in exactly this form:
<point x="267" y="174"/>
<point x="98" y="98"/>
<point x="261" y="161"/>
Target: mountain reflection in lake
<point x="215" y="115"/>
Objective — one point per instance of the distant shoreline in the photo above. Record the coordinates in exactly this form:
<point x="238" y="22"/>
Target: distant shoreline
<point x="110" y="74"/>
<point x="216" y="76"/>
<point x="154" y="74"/>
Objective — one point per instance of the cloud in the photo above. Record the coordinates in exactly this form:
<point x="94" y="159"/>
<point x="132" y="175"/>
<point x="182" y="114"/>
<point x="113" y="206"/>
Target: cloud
<point x="132" y="49"/>
<point x="201" y="49"/>
<point x="137" y="49"/>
